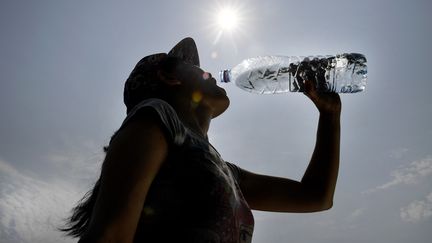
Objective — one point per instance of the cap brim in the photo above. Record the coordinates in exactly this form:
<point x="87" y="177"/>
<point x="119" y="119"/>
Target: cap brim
<point x="186" y="50"/>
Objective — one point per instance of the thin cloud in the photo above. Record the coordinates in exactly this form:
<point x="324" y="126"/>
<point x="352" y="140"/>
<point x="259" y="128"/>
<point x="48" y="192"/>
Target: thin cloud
<point x="357" y="213"/>
<point x="398" y="153"/>
<point x="31" y="209"/>
<point x="410" y="174"/>
<point x="417" y="211"/>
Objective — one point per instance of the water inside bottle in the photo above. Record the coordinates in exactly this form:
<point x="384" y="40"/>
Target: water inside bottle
<point x="344" y="73"/>
<point x="268" y="80"/>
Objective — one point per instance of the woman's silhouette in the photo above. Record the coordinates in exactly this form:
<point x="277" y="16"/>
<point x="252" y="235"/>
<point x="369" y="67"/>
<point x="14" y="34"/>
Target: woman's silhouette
<point x="162" y="181"/>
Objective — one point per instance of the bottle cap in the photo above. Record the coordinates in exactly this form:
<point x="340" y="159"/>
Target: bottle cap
<point x="225" y="76"/>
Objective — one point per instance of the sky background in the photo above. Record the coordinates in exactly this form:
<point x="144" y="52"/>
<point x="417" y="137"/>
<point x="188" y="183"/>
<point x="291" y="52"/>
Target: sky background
<point x="63" y="65"/>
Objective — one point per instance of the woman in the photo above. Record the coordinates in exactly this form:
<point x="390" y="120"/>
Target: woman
<point x="162" y="181"/>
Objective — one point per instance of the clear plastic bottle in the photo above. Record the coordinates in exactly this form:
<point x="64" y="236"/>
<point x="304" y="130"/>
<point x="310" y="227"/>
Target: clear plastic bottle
<point x="342" y="73"/>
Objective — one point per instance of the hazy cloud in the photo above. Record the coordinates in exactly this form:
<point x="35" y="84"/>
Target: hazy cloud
<point x="357" y="213"/>
<point x="409" y="174"/>
<point x="398" y="153"/>
<point x="417" y="211"/>
<point x="78" y="162"/>
<point x="31" y="209"/>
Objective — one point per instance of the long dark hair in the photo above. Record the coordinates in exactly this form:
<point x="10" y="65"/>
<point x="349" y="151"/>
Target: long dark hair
<point x="78" y="222"/>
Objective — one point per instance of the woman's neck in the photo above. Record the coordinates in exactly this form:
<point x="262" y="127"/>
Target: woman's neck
<point x="196" y="117"/>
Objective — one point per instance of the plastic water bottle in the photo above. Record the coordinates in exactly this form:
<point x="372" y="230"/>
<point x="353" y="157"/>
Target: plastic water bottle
<point x="342" y="73"/>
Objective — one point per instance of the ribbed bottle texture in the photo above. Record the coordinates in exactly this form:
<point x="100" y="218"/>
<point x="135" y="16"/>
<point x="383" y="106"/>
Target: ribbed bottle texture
<point x="341" y="73"/>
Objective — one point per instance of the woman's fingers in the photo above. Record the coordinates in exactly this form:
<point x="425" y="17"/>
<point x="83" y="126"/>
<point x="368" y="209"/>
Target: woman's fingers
<point x="310" y="90"/>
<point x="325" y="102"/>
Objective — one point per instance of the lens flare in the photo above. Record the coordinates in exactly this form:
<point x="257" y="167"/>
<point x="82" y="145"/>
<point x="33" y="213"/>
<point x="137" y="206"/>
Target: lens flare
<point x="196" y="97"/>
<point x="206" y="75"/>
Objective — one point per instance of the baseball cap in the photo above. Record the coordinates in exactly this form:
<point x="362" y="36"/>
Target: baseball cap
<point x="143" y="78"/>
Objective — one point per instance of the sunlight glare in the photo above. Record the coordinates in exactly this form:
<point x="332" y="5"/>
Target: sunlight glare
<point x="228" y="19"/>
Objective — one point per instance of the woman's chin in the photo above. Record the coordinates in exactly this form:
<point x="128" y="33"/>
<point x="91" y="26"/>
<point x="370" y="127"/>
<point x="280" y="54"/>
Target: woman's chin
<point x="221" y="105"/>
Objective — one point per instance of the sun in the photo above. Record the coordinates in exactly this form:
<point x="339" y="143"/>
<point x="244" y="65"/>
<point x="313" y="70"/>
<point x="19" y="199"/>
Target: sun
<point x="228" y="19"/>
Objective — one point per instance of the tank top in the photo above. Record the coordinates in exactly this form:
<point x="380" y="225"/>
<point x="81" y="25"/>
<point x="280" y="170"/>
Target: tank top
<point x="195" y="197"/>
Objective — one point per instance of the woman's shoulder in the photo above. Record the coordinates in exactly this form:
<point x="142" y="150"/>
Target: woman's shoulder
<point x="159" y="105"/>
<point x="161" y="112"/>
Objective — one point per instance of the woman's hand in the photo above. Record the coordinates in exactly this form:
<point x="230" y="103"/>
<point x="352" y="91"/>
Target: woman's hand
<point x="327" y="103"/>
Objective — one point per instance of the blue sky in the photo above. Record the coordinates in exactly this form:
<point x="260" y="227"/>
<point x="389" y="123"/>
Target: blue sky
<point x="63" y="66"/>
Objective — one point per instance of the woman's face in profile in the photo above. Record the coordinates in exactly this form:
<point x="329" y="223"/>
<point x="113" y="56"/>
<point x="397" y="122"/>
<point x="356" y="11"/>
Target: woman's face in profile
<point x="202" y="86"/>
